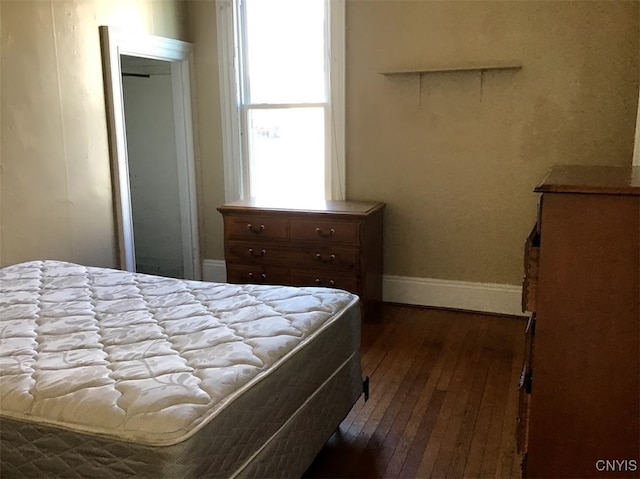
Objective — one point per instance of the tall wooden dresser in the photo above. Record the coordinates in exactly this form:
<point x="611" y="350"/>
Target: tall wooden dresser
<point x="335" y="244"/>
<point x="579" y="389"/>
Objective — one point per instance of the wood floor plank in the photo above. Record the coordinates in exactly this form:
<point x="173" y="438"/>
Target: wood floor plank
<point x="404" y="398"/>
<point x="378" y="340"/>
<point x="431" y="349"/>
<point x="509" y="461"/>
<point x="468" y="388"/>
<point x="425" y="389"/>
<point x="468" y="431"/>
<point x="502" y="370"/>
<point x="484" y="407"/>
<point x="443" y="399"/>
<point x="438" y="383"/>
<point x="385" y="381"/>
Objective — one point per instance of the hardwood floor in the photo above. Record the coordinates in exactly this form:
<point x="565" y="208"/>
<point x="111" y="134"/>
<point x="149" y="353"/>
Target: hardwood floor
<point x="443" y="399"/>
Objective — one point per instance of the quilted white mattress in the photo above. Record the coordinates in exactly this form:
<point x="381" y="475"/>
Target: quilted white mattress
<point x="136" y="374"/>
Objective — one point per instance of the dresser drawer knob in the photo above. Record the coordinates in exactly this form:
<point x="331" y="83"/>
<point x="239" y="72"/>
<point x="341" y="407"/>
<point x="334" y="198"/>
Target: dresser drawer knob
<point x="319" y="282"/>
<point x="322" y="234"/>
<point x="255" y="230"/>
<point x="325" y="260"/>
<point x="252" y="276"/>
<point x="257" y="255"/>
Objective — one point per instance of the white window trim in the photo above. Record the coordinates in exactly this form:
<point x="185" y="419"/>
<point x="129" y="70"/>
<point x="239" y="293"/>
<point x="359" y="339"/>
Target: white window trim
<point x="230" y="115"/>
<point x="236" y="176"/>
<point x="337" y="31"/>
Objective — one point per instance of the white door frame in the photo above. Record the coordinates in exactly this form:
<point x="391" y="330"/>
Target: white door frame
<point x="114" y="44"/>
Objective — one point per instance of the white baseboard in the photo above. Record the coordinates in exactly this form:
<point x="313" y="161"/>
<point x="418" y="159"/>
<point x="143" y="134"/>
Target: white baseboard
<point x="483" y="297"/>
<point x="440" y="293"/>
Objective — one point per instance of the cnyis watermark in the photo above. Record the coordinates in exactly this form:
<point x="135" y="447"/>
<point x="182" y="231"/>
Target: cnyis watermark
<point x="617" y="465"/>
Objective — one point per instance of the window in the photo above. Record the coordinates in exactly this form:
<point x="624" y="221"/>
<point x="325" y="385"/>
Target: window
<point x="282" y="86"/>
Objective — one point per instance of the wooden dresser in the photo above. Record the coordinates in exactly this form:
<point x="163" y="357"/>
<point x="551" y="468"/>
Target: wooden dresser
<point x="579" y="389"/>
<point x="338" y="244"/>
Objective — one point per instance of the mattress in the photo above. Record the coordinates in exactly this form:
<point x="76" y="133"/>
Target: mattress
<point x="105" y="373"/>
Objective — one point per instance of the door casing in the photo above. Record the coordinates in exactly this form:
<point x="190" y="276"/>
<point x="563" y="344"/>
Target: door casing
<point x="180" y="55"/>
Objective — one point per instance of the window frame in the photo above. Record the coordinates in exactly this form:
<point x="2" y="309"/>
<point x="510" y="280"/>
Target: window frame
<point x="234" y="112"/>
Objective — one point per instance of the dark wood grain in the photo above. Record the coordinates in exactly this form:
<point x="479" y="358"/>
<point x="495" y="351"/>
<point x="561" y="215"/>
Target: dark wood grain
<point x="443" y="399"/>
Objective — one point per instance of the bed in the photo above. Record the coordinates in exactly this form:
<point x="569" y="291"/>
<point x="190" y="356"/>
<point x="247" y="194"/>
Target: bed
<point x="105" y="373"/>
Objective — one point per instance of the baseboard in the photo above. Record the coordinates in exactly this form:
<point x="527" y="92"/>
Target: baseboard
<point x="482" y="297"/>
<point x="440" y="293"/>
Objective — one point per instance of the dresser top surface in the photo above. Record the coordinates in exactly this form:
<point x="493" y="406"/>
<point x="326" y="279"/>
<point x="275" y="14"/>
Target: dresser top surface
<point x="617" y="180"/>
<point x="341" y="207"/>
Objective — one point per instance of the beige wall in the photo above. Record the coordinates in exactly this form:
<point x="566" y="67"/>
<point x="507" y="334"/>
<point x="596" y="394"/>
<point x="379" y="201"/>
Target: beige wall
<point x="457" y="169"/>
<point x="456" y="164"/>
<point x="55" y="188"/>
<point x="202" y="16"/>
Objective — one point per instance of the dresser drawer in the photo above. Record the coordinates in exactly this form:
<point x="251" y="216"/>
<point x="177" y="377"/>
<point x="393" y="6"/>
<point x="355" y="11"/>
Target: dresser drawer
<point x="257" y="274"/>
<point x="345" y="259"/>
<point x="530" y="280"/>
<point x="255" y="226"/>
<point x="261" y="252"/>
<point x="264" y="253"/>
<point x="326" y="278"/>
<point x="326" y="231"/>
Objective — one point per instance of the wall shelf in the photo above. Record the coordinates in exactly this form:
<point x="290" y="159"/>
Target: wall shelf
<point x="455" y="68"/>
<point x="481" y="68"/>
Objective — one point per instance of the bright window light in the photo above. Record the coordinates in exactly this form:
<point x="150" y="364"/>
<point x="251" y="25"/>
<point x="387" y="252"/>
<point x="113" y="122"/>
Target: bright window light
<point x="286" y="148"/>
<point x="285" y="51"/>
<point x="284" y="90"/>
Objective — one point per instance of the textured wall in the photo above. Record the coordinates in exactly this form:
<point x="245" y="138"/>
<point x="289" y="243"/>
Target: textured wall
<point x="457" y="159"/>
<point x="202" y="16"/>
<point x="55" y="188"/>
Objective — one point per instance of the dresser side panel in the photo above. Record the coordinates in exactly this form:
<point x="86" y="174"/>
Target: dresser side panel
<point x="585" y="394"/>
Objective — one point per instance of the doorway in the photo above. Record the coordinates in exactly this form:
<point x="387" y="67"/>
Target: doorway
<point x="151" y="145"/>
<point x="153" y="166"/>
